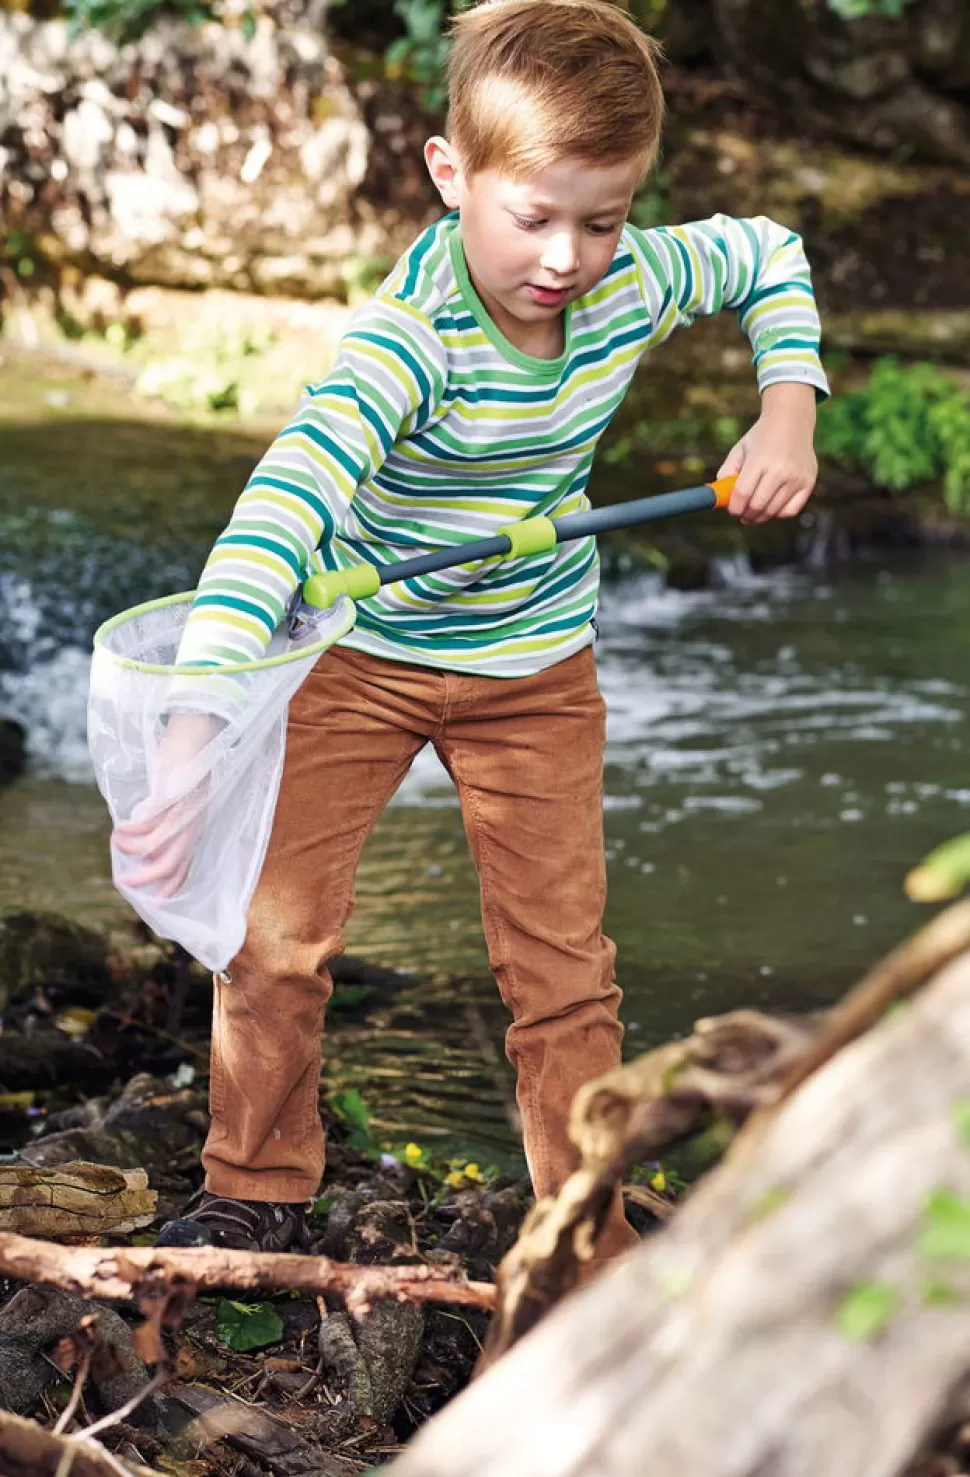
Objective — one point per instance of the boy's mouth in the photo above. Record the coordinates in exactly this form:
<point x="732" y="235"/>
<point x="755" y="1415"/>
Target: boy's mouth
<point x="547" y="297"/>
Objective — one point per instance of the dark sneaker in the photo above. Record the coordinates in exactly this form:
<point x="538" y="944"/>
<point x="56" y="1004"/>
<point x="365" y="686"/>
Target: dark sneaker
<point x="242" y="1225"/>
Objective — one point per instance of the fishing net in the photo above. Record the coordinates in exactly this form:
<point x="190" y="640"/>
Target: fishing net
<point x="189" y="761"/>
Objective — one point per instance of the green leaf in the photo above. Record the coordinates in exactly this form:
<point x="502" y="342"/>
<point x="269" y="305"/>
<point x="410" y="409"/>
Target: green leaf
<point x="940" y="1294"/>
<point x="771" y="1200"/>
<point x="946" y="871"/>
<point x="348" y="997"/>
<point x="866" y="1308"/>
<point x="350" y="1106"/>
<point x="851" y="10"/>
<point x="248" y="1325"/>
<point x="947" y="1230"/>
<point x="960" y="1113"/>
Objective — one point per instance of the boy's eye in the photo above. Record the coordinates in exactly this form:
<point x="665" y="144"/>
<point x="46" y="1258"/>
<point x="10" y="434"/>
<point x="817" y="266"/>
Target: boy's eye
<point x="599" y="229"/>
<point x="527" y="223"/>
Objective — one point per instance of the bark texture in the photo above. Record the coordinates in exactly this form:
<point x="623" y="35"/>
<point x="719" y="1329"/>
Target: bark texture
<point x="798" y="1315"/>
<point x="76" y="1200"/>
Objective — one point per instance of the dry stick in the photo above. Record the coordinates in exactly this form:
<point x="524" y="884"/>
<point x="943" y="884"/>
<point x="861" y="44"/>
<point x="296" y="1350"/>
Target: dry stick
<point x="126" y="1272"/>
<point x="64" y="1419"/>
<point x="115" y="1417"/>
<point x="108" y="1457"/>
<point x="26" y="1447"/>
<point x="66" y="1462"/>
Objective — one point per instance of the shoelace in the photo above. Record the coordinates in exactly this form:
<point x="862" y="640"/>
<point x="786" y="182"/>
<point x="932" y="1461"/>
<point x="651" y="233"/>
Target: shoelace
<point x="229" y="1215"/>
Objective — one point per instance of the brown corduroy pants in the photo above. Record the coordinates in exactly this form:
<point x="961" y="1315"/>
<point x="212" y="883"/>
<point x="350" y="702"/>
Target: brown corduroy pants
<point x="526" y="755"/>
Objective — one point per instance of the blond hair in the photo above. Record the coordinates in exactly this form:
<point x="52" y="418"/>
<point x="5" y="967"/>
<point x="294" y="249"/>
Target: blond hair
<point x="531" y="82"/>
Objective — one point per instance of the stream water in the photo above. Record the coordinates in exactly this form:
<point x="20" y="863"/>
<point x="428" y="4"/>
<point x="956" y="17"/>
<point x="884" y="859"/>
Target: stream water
<point x="781" y="750"/>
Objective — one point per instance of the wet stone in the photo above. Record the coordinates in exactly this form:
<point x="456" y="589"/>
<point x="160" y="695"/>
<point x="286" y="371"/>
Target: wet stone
<point x="43" y="950"/>
<point x="13" y="750"/>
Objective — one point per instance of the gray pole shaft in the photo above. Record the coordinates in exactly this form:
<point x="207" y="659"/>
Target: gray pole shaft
<point x="571" y="526"/>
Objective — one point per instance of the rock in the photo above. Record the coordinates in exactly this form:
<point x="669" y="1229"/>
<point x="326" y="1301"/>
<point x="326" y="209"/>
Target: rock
<point x="484" y="1225"/>
<point x="33" y="1321"/>
<point x="197" y="156"/>
<point x="77" y="1199"/>
<point x="891" y="82"/>
<point x="13" y="750"/>
<point x="149" y="1126"/>
<point x="47" y="1058"/>
<point x="373" y="1359"/>
<point x="45" y="950"/>
<point x="911" y="334"/>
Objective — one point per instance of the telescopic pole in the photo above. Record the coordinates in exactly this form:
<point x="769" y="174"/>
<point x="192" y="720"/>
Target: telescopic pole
<point x="537" y="535"/>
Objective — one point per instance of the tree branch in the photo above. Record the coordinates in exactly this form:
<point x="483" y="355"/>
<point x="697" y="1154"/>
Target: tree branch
<point x="142" y="1272"/>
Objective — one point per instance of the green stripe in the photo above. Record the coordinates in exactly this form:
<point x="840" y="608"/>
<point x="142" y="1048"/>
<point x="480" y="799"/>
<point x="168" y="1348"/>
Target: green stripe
<point x="433" y="429"/>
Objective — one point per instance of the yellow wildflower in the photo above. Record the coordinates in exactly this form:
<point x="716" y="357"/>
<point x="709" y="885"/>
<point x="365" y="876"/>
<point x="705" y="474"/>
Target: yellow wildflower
<point x="413" y="1153"/>
<point x="467" y="1174"/>
<point x="659" y="1181"/>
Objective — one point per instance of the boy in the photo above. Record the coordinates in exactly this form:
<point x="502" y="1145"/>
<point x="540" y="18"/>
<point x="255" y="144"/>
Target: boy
<point x="471" y="392"/>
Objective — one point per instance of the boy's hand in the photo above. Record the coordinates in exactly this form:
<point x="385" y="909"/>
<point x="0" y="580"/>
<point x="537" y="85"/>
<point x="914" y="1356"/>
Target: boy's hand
<point x="161" y="839"/>
<point x="775" y="461"/>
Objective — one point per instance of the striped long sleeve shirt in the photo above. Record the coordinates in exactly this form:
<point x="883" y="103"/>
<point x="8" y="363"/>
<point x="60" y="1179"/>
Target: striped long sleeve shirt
<point x="433" y="430"/>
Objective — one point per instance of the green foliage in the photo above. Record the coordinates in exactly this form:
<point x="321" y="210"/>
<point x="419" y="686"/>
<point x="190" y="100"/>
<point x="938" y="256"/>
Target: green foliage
<point x="18" y="254"/>
<point x="851" y="10"/>
<point x="126" y="20"/>
<point x="866" y="1308"/>
<point x="350" y="1107"/>
<point x="679" y="438"/>
<point x="248" y="1325"/>
<point x="941" y="875"/>
<point x="421" y="54"/>
<point x="363" y="275"/>
<point x="940" y="1295"/>
<point x="769" y="1201"/>
<point x="207" y="375"/>
<point x="907" y="424"/>
<point x="947" y="1229"/>
<point x="960" y="1117"/>
<point x="651" y="203"/>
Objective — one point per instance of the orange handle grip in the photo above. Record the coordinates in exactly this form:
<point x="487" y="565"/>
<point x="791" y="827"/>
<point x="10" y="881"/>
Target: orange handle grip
<point x="722" y="490"/>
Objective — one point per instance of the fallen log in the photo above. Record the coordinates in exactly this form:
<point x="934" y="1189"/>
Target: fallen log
<point x="78" y="1199"/>
<point x="734" y="1064"/>
<point x="808" y="1308"/>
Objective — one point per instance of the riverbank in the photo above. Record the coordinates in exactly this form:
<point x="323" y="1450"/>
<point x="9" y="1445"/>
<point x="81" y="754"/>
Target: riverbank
<point x="140" y="465"/>
<point x="785" y="739"/>
<point x="103" y="1058"/>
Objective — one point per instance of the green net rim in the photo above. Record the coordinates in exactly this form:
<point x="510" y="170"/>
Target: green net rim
<point x="230" y="669"/>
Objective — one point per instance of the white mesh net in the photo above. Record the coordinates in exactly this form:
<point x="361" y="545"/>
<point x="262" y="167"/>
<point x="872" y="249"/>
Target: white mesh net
<point x="189" y="762"/>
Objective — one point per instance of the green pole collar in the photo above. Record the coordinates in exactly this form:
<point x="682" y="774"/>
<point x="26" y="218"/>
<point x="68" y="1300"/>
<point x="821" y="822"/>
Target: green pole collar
<point x="529" y="536"/>
<point x="358" y="581"/>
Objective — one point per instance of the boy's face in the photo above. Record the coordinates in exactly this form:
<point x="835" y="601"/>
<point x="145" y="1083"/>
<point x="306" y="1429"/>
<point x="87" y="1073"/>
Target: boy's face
<point x="533" y="245"/>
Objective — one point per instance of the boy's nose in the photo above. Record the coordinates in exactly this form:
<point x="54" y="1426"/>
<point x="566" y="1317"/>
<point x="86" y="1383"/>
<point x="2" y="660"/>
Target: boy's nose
<point x="561" y="254"/>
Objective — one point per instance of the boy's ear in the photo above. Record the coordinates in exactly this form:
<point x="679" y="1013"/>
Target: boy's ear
<point x="444" y="167"/>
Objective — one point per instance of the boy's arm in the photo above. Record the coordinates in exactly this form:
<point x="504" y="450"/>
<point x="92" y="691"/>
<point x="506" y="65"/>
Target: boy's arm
<point x="386" y="382"/>
<point x="759" y="268"/>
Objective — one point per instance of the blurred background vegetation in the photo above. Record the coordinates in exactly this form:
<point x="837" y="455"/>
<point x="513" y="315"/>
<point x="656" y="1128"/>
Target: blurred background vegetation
<point x="848" y="119"/>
